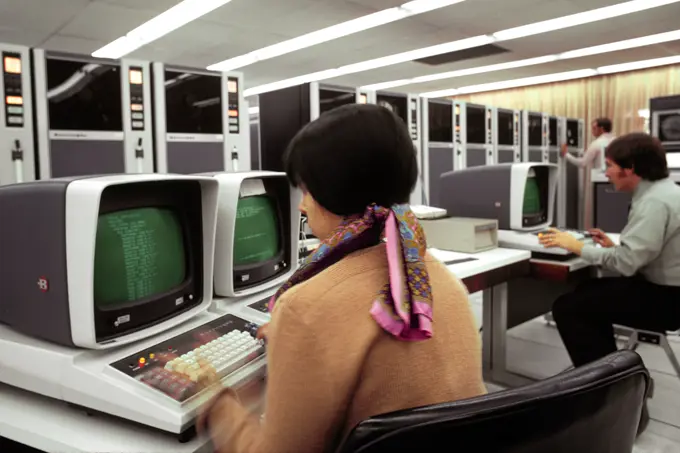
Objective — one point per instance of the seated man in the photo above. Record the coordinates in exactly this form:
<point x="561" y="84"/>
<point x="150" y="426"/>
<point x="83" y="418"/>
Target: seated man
<point x="648" y="295"/>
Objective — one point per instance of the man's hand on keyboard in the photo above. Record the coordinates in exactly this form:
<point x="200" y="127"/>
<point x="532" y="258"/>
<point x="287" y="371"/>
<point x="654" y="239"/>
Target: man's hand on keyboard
<point x="561" y="239"/>
<point x="601" y="238"/>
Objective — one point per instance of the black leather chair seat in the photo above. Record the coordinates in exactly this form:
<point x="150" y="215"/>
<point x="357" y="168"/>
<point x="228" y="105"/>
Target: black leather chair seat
<point x="592" y="409"/>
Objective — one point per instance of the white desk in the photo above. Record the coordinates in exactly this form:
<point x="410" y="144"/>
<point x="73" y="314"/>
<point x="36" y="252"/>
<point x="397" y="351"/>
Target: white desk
<point x="484" y="261"/>
<point x="52" y="426"/>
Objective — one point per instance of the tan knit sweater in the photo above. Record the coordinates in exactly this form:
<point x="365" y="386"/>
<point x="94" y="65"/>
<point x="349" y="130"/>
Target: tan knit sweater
<point x="330" y="365"/>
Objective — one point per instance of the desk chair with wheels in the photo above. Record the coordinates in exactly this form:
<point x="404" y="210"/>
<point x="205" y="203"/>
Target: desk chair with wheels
<point x="593" y="409"/>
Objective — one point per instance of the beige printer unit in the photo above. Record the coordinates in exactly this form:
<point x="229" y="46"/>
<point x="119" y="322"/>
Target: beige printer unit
<point x="461" y="234"/>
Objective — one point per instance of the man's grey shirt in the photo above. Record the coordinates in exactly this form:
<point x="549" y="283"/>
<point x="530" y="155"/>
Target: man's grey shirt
<point x="650" y="242"/>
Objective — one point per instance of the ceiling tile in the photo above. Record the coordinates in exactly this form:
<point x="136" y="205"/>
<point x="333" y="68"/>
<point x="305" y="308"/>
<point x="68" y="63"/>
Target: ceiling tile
<point x="72" y="44"/>
<point x="22" y="36"/>
<point x="37" y="18"/>
<point x="119" y="21"/>
<point x="150" y="5"/>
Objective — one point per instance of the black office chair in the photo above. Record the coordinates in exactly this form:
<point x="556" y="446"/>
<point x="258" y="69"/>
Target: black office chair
<point x="592" y="409"/>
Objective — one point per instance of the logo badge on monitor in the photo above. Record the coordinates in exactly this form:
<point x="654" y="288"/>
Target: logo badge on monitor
<point x="43" y="284"/>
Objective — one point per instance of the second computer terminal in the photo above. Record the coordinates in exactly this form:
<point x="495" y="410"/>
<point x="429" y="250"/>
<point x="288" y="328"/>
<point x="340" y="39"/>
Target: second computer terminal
<point x="521" y="196"/>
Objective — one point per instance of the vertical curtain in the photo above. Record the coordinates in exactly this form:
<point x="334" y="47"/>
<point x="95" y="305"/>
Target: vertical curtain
<point x="615" y="96"/>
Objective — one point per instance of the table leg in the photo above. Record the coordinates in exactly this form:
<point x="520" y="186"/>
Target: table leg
<point x="494" y="335"/>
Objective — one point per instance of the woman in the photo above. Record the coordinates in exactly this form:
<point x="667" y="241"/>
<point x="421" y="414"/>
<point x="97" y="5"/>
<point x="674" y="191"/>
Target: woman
<point x="366" y="326"/>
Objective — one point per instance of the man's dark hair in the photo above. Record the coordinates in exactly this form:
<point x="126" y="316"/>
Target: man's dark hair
<point x="604" y="123"/>
<point x="641" y="152"/>
<point x="353" y="156"/>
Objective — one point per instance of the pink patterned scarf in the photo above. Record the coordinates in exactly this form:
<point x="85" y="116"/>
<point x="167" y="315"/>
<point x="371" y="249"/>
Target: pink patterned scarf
<point x="404" y="306"/>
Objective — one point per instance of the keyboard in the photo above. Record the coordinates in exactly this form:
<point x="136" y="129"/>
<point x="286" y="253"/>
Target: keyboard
<point x="576" y="233"/>
<point x="177" y="366"/>
<point x="223" y="355"/>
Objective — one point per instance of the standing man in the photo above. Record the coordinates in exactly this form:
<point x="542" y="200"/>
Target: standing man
<point x="647" y="296"/>
<point x="591" y="162"/>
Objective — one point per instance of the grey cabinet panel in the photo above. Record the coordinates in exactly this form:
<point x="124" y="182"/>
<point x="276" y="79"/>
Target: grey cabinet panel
<point x="440" y="161"/>
<point x="84" y="157"/>
<point x="476" y="158"/>
<point x="506" y="156"/>
<point x="535" y="156"/>
<point x="611" y="208"/>
<point x="189" y="158"/>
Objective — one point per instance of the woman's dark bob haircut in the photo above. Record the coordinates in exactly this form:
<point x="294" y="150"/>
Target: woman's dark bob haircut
<point x="353" y="156"/>
<point x="642" y="153"/>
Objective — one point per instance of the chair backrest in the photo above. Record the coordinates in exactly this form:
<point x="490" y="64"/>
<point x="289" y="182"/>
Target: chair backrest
<point x="592" y="409"/>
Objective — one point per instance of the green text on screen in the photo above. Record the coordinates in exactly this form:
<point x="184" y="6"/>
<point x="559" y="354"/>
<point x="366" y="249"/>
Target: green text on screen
<point x="138" y="253"/>
<point x="256" y="236"/>
<point x="532" y="200"/>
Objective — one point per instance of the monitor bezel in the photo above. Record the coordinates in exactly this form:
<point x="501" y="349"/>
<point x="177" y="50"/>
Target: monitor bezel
<point x="519" y="173"/>
<point x="82" y="213"/>
<point x="656" y="125"/>
<point x="229" y="192"/>
<point x="280" y="256"/>
<point x="179" y="196"/>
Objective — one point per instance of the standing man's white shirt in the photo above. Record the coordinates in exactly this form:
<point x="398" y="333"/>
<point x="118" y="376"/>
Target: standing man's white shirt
<point x="594" y="155"/>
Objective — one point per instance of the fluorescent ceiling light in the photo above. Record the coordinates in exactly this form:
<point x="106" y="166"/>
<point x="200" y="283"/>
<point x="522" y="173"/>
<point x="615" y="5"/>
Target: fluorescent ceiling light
<point x="622" y="45"/>
<point x="166" y="22"/>
<point x="635" y="65"/>
<point x="373" y="64"/>
<point x="504" y="35"/>
<point x="347" y="28"/>
<point x="461" y="73"/>
<point x="551" y="78"/>
<point x="585" y="17"/>
<point x="594" y="50"/>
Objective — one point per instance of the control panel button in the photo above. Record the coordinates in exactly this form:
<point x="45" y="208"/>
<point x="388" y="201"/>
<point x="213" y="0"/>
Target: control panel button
<point x="261" y="306"/>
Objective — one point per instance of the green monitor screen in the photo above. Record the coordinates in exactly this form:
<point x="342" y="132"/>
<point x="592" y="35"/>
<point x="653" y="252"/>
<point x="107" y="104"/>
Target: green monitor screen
<point x="138" y="253"/>
<point x="256" y="235"/>
<point x="532" y="197"/>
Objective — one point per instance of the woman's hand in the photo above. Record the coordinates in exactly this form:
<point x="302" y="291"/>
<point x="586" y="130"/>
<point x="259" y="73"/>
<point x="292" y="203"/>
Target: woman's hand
<point x="262" y="332"/>
<point x="560" y="239"/>
<point x="212" y="410"/>
<point x="601" y="238"/>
